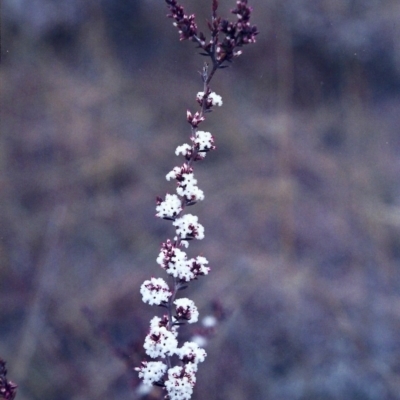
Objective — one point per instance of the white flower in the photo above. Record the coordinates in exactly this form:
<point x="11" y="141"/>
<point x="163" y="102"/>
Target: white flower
<point x="167" y="251"/>
<point x="170" y="207"/>
<point x="155" y="291"/>
<point x="204" y="141"/>
<point x="179" y="267"/>
<point x="198" y="266"/>
<point x="180" y="382"/>
<point x="184" y="244"/>
<point x="173" y="174"/>
<point x="155" y="323"/>
<point x="188" y="180"/>
<point x="175" y="263"/>
<point x="187" y="187"/>
<point x="199" y="340"/>
<point x="143" y="389"/>
<point x="209" y="321"/>
<point x="186" y="309"/>
<point x="215" y="99"/>
<point x="184" y="149"/>
<point x="160" y="342"/>
<point x="199" y="96"/>
<point x="178" y="172"/>
<point x="190" y="352"/>
<point x="151" y="371"/>
<point x="191" y="192"/>
<point x="187" y="227"/>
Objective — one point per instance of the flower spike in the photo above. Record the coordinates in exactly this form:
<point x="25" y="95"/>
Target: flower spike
<point x="161" y="341"/>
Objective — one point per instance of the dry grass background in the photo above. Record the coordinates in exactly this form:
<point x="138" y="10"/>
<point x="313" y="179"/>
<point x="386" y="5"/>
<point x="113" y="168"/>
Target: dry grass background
<point x="302" y="208"/>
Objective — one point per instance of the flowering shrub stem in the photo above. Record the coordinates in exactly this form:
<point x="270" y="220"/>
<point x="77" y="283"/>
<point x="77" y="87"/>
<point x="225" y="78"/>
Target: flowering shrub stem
<point x="161" y="342"/>
<point x="8" y="389"/>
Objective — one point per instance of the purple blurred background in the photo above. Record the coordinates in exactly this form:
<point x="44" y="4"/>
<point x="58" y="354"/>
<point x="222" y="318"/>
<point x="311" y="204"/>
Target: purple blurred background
<point x="302" y="207"/>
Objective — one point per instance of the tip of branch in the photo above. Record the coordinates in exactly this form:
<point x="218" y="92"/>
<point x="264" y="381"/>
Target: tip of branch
<point x="214" y="5"/>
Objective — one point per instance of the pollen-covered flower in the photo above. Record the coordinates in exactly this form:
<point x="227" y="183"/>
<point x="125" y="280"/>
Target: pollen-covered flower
<point x="155" y="291"/>
<point x="188" y="228"/>
<point x="186" y="310"/>
<point x="151" y="371"/>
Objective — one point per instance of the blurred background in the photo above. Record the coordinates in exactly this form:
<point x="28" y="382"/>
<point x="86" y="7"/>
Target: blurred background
<point x="302" y="207"/>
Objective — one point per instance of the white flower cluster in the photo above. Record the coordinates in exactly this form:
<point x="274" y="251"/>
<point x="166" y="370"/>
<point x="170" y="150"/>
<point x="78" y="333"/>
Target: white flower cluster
<point x="185" y="150"/>
<point x="181" y="381"/>
<point x="191" y="353"/>
<point x="187" y="184"/>
<point x="204" y="141"/>
<point x="161" y="340"/>
<point x="170" y="207"/>
<point x="188" y="228"/>
<point x="213" y="98"/>
<point x="178" y="173"/>
<point x="176" y="263"/>
<point x="152" y="371"/>
<point x="155" y="291"/>
<point x="186" y="310"/>
<point x="188" y="189"/>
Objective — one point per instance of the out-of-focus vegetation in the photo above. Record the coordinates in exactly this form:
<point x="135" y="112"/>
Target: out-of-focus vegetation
<point x="302" y="208"/>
